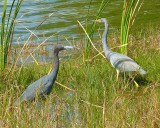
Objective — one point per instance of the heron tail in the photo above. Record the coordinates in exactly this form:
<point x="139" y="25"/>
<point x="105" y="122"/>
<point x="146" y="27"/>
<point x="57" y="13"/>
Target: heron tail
<point x="142" y="72"/>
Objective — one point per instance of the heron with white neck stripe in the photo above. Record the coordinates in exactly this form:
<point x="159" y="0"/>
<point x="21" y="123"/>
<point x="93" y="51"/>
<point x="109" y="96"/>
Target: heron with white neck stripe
<point x="119" y="61"/>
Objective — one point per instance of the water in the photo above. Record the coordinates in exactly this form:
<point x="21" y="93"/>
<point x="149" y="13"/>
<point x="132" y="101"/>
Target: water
<point x="62" y="25"/>
<point x="66" y="13"/>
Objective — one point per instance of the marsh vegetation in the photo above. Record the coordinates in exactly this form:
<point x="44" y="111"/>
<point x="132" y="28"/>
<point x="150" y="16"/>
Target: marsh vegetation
<point x="86" y="93"/>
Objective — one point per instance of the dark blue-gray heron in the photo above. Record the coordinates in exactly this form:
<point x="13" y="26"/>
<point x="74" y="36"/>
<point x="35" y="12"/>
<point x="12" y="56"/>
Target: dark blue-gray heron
<point x="43" y="86"/>
<point x="119" y="61"/>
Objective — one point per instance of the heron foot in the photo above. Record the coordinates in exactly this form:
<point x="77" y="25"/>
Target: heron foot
<point x="137" y="85"/>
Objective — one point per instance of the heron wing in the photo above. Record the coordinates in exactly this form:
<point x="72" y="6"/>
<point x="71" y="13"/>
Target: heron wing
<point x="123" y="63"/>
<point x="35" y="88"/>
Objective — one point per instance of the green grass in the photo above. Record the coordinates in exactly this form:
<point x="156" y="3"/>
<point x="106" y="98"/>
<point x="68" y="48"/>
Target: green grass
<point x="92" y="29"/>
<point x="98" y="100"/>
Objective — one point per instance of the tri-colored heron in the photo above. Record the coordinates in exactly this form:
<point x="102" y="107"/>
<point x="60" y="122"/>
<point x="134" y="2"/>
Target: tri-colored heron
<point x="119" y="61"/>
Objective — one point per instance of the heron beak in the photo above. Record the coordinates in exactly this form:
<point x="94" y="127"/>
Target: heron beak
<point x="70" y="47"/>
<point x="98" y="20"/>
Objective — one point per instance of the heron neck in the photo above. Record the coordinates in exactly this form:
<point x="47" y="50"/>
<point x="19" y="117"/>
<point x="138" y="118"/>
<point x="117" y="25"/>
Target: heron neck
<point x="55" y="66"/>
<point x="104" y="40"/>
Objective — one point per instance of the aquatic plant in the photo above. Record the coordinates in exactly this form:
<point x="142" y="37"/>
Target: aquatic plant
<point x="7" y="30"/>
<point x="87" y="42"/>
<point x="128" y="16"/>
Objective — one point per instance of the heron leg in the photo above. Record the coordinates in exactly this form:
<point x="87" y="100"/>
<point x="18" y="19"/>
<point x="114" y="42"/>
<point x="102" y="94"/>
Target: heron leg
<point x="117" y="74"/>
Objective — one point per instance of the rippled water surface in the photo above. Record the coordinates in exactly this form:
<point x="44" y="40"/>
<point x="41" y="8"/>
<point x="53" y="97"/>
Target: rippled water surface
<point x="62" y="25"/>
<point x="63" y="22"/>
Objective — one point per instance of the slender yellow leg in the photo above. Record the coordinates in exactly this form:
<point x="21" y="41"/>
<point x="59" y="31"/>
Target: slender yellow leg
<point x="137" y="85"/>
<point x="117" y="74"/>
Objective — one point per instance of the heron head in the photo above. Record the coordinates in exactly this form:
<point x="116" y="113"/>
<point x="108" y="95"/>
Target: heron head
<point x="60" y="47"/>
<point x="102" y="20"/>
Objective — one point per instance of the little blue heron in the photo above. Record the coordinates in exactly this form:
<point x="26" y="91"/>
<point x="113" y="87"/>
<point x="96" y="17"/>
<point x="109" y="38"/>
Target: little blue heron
<point x="118" y="61"/>
<point x="43" y="86"/>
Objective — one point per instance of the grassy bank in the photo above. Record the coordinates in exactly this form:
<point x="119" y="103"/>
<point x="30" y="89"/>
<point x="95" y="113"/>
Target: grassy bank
<point x="97" y="100"/>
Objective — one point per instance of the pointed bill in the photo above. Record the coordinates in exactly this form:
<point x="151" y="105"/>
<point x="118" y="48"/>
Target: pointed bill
<point x="98" y="20"/>
<point x="70" y="47"/>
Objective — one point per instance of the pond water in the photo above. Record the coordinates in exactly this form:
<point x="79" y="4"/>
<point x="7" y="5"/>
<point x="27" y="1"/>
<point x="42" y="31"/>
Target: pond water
<point x="63" y="22"/>
<point x="62" y="25"/>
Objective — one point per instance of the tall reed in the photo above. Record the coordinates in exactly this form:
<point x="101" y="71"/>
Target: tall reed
<point x="7" y="30"/>
<point x="87" y="43"/>
<point x="128" y="16"/>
